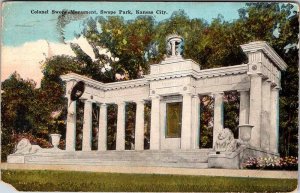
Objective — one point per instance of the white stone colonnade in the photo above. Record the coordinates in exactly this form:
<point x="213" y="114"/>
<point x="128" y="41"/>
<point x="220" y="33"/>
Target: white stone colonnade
<point x="257" y="82"/>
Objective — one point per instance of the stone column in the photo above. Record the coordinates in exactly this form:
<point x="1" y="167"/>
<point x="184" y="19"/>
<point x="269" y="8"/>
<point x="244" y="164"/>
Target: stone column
<point x="121" y="127"/>
<point x="186" y="129"/>
<point x="218" y="115"/>
<point x="195" y="122"/>
<point x="155" y="126"/>
<point x="71" y="126"/>
<point x="173" y="48"/>
<point x="255" y="109"/>
<point x="163" y="123"/>
<point x="244" y="107"/>
<point x="274" y="120"/>
<point x="102" y="133"/>
<point x="87" y="126"/>
<point x="139" y="125"/>
<point x="265" y="119"/>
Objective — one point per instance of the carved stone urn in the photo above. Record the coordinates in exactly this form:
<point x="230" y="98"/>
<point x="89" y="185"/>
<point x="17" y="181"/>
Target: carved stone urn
<point x="55" y="138"/>
<point x="245" y="133"/>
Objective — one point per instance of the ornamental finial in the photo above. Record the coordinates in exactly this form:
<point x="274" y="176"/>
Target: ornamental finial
<point x="174" y="45"/>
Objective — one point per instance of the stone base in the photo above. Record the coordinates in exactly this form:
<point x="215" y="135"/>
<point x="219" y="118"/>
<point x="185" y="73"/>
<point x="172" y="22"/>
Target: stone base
<point x="20" y="159"/>
<point x="234" y="160"/>
<point x="196" y="158"/>
<point x="228" y="160"/>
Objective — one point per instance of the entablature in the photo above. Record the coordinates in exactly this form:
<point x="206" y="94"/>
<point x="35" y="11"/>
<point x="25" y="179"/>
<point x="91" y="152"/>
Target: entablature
<point x="267" y="50"/>
<point x="223" y="71"/>
<point x="104" y="86"/>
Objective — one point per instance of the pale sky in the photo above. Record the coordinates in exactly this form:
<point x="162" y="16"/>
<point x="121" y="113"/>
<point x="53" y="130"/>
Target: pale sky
<point x="25" y="35"/>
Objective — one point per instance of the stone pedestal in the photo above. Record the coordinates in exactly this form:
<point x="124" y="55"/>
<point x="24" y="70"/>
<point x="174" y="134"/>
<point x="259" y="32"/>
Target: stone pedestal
<point x="18" y="159"/>
<point x="227" y="160"/>
<point x="121" y="127"/>
<point x="102" y="134"/>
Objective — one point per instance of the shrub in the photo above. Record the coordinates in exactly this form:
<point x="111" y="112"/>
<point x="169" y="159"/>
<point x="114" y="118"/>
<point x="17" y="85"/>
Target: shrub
<point x="251" y="163"/>
<point x="272" y="163"/>
<point x="289" y="163"/>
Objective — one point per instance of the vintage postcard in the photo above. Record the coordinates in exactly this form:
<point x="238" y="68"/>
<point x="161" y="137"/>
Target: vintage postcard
<point x="149" y="96"/>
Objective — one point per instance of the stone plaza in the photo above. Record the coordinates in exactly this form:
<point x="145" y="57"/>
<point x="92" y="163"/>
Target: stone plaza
<point x="176" y="84"/>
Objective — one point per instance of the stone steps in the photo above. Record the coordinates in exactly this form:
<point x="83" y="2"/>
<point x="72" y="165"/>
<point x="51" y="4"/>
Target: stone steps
<point x="167" y="157"/>
<point x="121" y="163"/>
<point x="164" y="158"/>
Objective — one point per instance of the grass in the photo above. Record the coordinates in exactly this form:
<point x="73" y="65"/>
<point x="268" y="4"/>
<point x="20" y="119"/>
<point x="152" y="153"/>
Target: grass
<point x="43" y="180"/>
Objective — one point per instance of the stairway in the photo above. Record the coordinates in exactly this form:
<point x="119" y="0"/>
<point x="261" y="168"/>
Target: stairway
<point x="197" y="158"/>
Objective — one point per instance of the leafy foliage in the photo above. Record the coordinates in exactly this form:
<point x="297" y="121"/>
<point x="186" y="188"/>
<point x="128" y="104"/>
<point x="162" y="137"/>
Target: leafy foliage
<point x="130" y="125"/>
<point x="206" y="121"/>
<point x="127" y="40"/>
<point x="18" y="107"/>
<point x="231" y="112"/>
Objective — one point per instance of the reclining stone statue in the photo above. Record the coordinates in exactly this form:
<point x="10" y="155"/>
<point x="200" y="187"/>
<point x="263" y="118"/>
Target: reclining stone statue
<point x="24" y="147"/>
<point x="225" y="141"/>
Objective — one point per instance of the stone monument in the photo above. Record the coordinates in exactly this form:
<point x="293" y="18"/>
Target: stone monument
<point x="175" y="85"/>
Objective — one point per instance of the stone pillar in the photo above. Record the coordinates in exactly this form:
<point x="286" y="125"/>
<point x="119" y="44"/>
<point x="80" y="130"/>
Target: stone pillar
<point x="265" y="119"/>
<point x="173" y="48"/>
<point x="71" y="126"/>
<point x="102" y="133"/>
<point x="218" y="115"/>
<point x="121" y="127"/>
<point x="195" y="122"/>
<point x="274" y="120"/>
<point x="244" y="107"/>
<point x="139" y="125"/>
<point x="186" y="129"/>
<point x="155" y="126"/>
<point x="87" y="126"/>
<point x="255" y="109"/>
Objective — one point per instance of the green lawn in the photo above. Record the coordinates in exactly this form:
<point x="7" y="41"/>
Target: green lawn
<point x="41" y="180"/>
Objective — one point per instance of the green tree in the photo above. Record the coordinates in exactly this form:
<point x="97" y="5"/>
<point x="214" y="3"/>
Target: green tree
<point x="290" y="86"/>
<point x="128" y="41"/>
<point x="20" y="115"/>
<point x="17" y="97"/>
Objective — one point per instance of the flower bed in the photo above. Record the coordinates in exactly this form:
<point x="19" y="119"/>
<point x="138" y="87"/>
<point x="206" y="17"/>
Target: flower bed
<point x="272" y="163"/>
